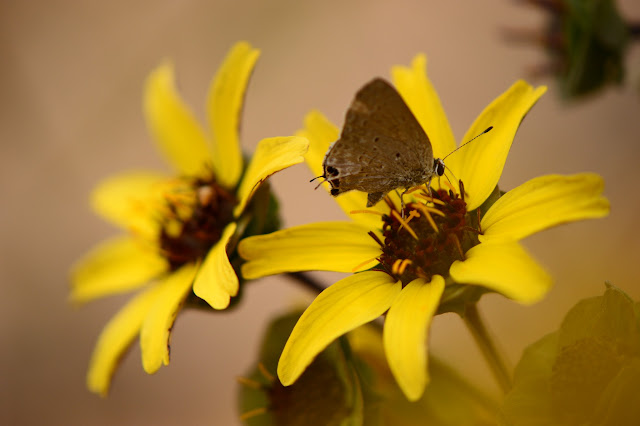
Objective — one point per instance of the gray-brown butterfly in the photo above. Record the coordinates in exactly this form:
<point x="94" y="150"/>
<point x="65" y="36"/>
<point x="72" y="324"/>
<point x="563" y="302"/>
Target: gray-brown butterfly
<point x="382" y="147"/>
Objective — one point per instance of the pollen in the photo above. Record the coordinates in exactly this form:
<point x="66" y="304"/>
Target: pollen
<point x="192" y="218"/>
<point x="434" y="232"/>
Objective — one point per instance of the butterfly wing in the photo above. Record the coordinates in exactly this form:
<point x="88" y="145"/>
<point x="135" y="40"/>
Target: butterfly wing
<point x="382" y="146"/>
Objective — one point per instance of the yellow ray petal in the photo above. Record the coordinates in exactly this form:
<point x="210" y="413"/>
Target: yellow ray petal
<point x="406" y="329"/>
<point x="544" y="202"/>
<point x="173" y="126"/>
<point x="224" y="109"/>
<point x="505" y="268"/>
<point x="155" y="332"/>
<point x="130" y="200"/>
<point x="115" y="339"/>
<point x="321" y="133"/>
<point x="422" y="98"/>
<point x="216" y="281"/>
<point x="345" y="305"/>
<point x="479" y="164"/>
<point x="322" y="246"/>
<point x="271" y="156"/>
<point x="115" y="266"/>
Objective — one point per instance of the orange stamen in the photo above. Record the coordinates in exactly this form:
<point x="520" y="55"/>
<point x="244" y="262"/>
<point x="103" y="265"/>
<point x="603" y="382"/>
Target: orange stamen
<point x="265" y="372"/>
<point x="430" y="199"/>
<point x="249" y="383"/>
<point x="447" y="183"/>
<point x="253" y="413"/>
<point x="395" y="266"/>
<point x="404" y="224"/>
<point x="427" y="215"/>
<point x="363" y="263"/>
<point x="457" y="241"/>
<point x="433" y="210"/>
<point x="404" y="265"/>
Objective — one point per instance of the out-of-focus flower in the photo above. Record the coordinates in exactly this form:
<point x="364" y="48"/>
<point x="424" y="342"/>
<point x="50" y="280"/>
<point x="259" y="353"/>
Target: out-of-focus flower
<point x="349" y="382"/>
<point x="444" y="252"/>
<point x="182" y="230"/>
<point x="586" y="41"/>
<point x="587" y="372"/>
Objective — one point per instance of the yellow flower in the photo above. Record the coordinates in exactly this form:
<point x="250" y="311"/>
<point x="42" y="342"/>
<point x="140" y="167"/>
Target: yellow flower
<point x="442" y="254"/>
<point x="182" y="229"/>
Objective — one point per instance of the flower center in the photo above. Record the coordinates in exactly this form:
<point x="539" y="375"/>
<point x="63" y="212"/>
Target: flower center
<point x="197" y="211"/>
<point x="428" y="238"/>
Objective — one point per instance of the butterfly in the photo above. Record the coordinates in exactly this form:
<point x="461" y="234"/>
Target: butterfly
<point x="382" y="147"/>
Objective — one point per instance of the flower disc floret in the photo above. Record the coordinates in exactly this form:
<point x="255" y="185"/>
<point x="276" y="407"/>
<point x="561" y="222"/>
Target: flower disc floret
<point x="432" y="235"/>
<point x="196" y="214"/>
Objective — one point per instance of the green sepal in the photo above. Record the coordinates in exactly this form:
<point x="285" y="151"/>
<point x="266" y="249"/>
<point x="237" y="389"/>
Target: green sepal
<point x="328" y="392"/>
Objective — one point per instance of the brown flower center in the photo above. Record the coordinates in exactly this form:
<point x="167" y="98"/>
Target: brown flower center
<point x="428" y="238"/>
<point x="197" y="213"/>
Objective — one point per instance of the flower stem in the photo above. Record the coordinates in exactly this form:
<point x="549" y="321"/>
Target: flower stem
<point x="494" y="358"/>
<point x="307" y="281"/>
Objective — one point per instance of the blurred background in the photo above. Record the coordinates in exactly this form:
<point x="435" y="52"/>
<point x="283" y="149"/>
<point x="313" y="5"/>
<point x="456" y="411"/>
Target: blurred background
<point x="70" y="114"/>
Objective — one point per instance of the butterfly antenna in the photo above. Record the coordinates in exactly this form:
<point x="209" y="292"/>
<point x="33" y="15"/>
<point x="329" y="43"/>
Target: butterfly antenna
<point x="468" y="142"/>
<point x="450" y="171"/>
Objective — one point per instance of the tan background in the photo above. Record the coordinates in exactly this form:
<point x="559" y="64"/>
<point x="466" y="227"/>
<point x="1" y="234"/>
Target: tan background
<point x="70" y="93"/>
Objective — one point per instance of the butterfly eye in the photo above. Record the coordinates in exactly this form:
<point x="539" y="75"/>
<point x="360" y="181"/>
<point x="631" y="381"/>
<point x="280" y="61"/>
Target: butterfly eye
<point x="438" y="166"/>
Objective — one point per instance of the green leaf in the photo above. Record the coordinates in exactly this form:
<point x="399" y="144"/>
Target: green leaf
<point x="619" y="403"/>
<point x="586" y="370"/>
<point x="610" y="316"/>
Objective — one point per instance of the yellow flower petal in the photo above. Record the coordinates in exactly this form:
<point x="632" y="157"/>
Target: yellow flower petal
<point x="322" y="246"/>
<point x="406" y="330"/>
<point x="155" y="332"/>
<point x="224" y="109"/>
<point x="422" y="98"/>
<point x="321" y="133"/>
<point x="347" y="304"/>
<point x="479" y="164"/>
<point x="173" y="126"/>
<point x="130" y="201"/>
<point x="544" y="202"/>
<point x="270" y="156"/>
<point x="505" y="268"/>
<point x="115" y="266"/>
<point x="115" y="339"/>
<point x="216" y="281"/>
